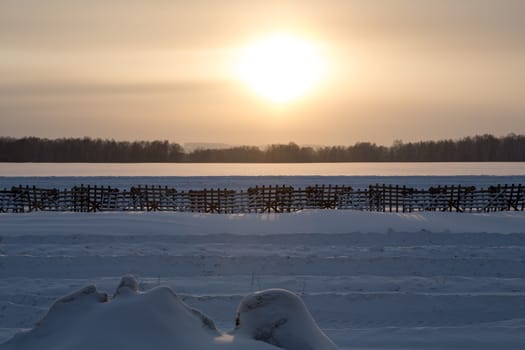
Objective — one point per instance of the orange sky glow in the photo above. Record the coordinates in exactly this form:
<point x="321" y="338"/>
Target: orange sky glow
<point x="402" y="69"/>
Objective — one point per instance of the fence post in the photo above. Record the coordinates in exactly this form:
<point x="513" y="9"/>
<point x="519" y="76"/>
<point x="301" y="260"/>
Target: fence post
<point x="280" y="198"/>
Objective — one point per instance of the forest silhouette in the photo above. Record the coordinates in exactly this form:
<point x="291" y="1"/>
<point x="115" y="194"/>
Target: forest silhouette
<point x="479" y="148"/>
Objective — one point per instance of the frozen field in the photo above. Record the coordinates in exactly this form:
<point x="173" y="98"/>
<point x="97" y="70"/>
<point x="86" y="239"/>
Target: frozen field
<point x="371" y="280"/>
<point x="263" y="169"/>
<point x="244" y="182"/>
<point x="184" y="176"/>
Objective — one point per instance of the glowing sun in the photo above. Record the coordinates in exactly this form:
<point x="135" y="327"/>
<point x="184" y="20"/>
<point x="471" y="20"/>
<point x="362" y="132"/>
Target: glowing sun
<point x="281" y="67"/>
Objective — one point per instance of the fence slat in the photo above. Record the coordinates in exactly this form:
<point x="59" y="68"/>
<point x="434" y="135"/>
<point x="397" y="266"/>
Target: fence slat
<point x="261" y="199"/>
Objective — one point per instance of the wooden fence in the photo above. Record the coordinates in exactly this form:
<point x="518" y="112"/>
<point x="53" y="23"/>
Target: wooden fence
<point x="261" y="199"/>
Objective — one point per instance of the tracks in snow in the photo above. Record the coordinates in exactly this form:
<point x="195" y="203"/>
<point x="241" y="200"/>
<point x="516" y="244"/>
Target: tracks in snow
<point x="348" y="280"/>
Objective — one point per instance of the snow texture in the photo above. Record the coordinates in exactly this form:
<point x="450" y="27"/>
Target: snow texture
<point x="279" y="317"/>
<point x="159" y="319"/>
<point x="414" y="281"/>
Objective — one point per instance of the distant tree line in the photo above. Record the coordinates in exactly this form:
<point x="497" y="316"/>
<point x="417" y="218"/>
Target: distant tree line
<point x="478" y="148"/>
<point x="83" y="150"/>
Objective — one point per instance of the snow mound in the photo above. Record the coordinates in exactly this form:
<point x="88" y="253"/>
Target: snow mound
<point x="128" y="284"/>
<point x="158" y="319"/>
<point x="280" y="318"/>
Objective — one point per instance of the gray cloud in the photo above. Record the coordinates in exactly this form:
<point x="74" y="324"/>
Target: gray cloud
<point x="116" y="24"/>
<point x="81" y="89"/>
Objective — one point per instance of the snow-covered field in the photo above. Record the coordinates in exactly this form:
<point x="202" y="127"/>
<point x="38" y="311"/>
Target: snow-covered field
<point x="184" y="183"/>
<point x="263" y="169"/>
<point x="370" y="280"/>
<point x="184" y="176"/>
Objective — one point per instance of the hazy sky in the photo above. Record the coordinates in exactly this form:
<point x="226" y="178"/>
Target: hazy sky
<point x="159" y="69"/>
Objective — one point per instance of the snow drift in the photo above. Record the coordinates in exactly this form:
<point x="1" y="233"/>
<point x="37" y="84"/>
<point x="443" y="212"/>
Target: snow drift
<point x="158" y="319"/>
<point x="280" y="318"/>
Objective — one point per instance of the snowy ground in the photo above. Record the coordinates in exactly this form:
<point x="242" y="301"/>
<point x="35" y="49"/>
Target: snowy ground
<point x="371" y="280"/>
<point x="184" y="183"/>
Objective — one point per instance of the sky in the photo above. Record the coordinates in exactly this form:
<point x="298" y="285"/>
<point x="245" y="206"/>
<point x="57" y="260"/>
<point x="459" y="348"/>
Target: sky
<point x="393" y="70"/>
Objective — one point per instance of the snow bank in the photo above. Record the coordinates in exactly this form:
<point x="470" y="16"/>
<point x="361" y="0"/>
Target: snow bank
<point x="279" y="317"/>
<point x="158" y="319"/>
<point x="306" y="221"/>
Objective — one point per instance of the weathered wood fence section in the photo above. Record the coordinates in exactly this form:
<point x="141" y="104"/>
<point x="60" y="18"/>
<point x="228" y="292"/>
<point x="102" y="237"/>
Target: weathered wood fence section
<point x="261" y="199"/>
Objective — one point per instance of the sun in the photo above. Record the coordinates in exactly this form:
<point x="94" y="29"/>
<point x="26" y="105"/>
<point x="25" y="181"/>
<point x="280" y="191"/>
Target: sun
<point x="281" y="67"/>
